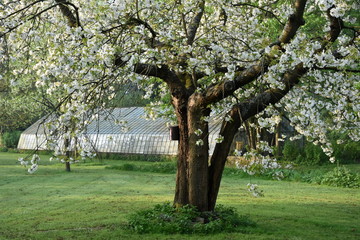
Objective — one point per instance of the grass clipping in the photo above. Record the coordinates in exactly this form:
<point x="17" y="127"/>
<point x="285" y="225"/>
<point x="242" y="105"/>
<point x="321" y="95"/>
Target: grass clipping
<point x="164" y="218"/>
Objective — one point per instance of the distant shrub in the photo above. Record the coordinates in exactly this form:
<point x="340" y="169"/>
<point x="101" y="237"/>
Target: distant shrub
<point x="341" y="177"/>
<point x="347" y="153"/>
<point x="157" y="167"/>
<point x="164" y="218"/>
<point x="11" y="139"/>
<point x="291" y="151"/>
<point x="310" y="154"/>
<point x="13" y="150"/>
<point x="314" y="155"/>
<point x="3" y="149"/>
<point x="161" y="167"/>
<point x="312" y="176"/>
<point x="137" y="157"/>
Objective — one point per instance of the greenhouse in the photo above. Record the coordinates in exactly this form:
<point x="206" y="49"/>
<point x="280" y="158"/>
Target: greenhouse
<point x="136" y="134"/>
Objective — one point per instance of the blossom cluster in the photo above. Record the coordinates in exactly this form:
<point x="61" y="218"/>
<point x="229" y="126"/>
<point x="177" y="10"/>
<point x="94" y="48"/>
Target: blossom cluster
<point x="254" y="190"/>
<point x="34" y="163"/>
<point x="260" y="161"/>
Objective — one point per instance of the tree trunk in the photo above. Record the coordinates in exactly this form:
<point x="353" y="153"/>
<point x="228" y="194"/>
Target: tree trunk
<point x="181" y="190"/>
<point x="197" y="181"/>
<point x="218" y="159"/>
<point x="67" y="154"/>
<point x="192" y="180"/>
<point x="198" y="157"/>
<point x="67" y="166"/>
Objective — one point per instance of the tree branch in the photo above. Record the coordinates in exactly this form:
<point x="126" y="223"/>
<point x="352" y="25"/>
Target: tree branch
<point x="31" y="18"/>
<point x="149" y="70"/>
<point x="137" y="21"/>
<point x="227" y="88"/>
<point x="74" y="21"/>
<point x="336" y="25"/>
<point x="22" y="9"/>
<point x="295" y="21"/>
<point x="240" y="113"/>
<point x="337" y="69"/>
<point x="195" y="23"/>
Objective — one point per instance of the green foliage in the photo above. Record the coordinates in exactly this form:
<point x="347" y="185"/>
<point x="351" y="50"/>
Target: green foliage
<point x="310" y="154"/>
<point x="338" y="177"/>
<point x="157" y="167"/>
<point x="164" y="218"/>
<point x="229" y="171"/>
<point x="137" y="157"/>
<point x="11" y="139"/>
<point x="291" y="151"/>
<point x="4" y="149"/>
<point x="345" y="150"/>
<point x="341" y="177"/>
<point x="128" y="96"/>
<point x="314" y="155"/>
<point x="54" y="204"/>
<point x="311" y="176"/>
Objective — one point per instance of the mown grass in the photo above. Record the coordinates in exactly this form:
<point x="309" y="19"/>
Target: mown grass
<point x="95" y="199"/>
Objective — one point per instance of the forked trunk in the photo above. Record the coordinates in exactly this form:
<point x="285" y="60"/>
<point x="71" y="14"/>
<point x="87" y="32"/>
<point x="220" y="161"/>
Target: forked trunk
<point x="194" y="179"/>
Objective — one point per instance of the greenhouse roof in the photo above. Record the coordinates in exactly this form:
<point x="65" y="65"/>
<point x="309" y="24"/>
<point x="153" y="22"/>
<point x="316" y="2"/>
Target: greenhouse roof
<point x="122" y="130"/>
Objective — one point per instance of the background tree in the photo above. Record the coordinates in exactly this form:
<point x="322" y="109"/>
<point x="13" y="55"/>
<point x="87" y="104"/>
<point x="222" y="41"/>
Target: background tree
<point x="239" y="56"/>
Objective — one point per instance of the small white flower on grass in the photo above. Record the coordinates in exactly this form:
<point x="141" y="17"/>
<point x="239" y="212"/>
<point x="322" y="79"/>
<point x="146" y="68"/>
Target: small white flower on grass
<point x="253" y="189"/>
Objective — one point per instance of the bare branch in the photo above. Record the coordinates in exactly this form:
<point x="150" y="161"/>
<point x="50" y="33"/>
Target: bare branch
<point x="240" y="113"/>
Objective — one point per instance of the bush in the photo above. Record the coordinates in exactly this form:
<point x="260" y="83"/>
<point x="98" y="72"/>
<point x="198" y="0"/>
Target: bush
<point x="11" y="139"/>
<point x="164" y="218"/>
<point x="345" y="149"/>
<point x="309" y="155"/>
<point x="291" y="151"/>
<point x="137" y="157"/>
<point x="157" y="167"/>
<point x="347" y="153"/>
<point x="341" y="177"/>
<point x="314" y="155"/>
<point x="4" y="149"/>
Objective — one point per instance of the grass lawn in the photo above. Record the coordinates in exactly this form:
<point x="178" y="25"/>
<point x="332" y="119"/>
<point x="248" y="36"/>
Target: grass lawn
<point x="93" y="202"/>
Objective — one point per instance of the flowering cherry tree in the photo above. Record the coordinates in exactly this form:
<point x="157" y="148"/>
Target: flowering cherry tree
<point x="244" y="57"/>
